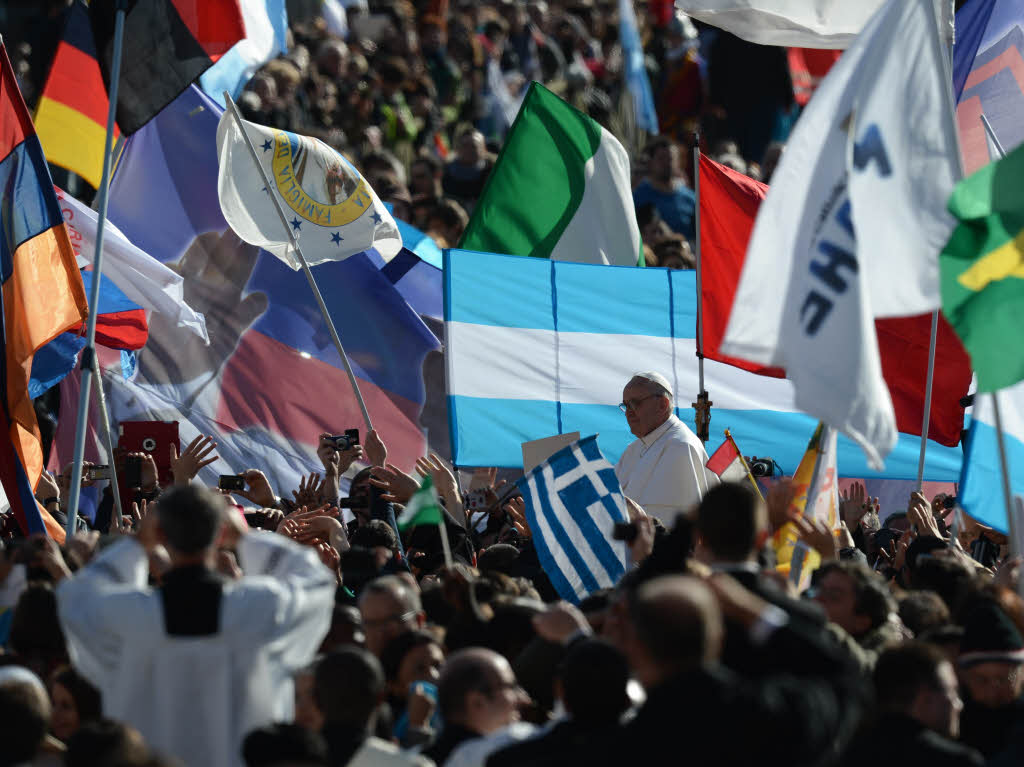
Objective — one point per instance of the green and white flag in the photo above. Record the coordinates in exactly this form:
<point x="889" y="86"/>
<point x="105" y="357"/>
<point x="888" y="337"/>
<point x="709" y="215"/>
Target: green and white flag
<point x="423" y="508"/>
<point x="560" y="189"/>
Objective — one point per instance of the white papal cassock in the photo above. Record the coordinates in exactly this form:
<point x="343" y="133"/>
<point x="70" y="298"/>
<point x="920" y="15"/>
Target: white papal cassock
<point x="664" y="472"/>
<point x="195" y="696"/>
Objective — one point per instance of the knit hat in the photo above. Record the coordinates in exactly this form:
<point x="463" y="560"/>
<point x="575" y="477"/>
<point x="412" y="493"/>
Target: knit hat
<point x="990" y="636"/>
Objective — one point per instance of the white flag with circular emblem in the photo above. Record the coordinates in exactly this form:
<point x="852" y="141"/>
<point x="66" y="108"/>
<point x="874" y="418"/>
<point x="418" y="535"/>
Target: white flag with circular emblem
<point x="331" y="209"/>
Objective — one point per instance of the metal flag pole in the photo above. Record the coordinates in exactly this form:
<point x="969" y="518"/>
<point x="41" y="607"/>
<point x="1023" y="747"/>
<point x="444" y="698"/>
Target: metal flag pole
<point x="1001" y="153"/>
<point x="949" y="32"/>
<point x="108" y="437"/>
<point x="305" y="266"/>
<point x="1004" y="465"/>
<point x="926" y="418"/>
<point x="702" y="407"/>
<point x="89" y="352"/>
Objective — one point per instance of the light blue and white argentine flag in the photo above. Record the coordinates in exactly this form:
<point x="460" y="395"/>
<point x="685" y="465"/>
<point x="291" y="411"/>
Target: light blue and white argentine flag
<point x="331" y="209"/>
<point x="981" y="485"/>
<point x="537" y="347"/>
<point x="573" y="501"/>
<point x="636" y="73"/>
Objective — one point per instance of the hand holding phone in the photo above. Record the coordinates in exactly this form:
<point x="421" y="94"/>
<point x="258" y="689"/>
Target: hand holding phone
<point x="231" y="482"/>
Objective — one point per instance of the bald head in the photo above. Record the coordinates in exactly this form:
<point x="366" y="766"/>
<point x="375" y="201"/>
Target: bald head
<point x="677" y="621"/>
<point x="478" y="690"/>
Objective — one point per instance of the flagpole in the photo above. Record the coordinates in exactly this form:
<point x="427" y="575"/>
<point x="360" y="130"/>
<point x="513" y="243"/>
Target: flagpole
<point x="305" y="266"/>
<point x="702" y="407"/>
<point x="88" y="363"/>
<point x="101" y="403"/>
<point x="926" y="418"/>
<point x="746" y="467"/>
<point x="950" y="34"/>
<point x="992" y="136"/>
<point x="1004" y="465"/>
<point x="444" y="544"/>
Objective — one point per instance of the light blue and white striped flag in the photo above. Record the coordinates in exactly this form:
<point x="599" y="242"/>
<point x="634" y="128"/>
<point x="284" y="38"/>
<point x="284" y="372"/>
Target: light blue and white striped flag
<point x="981" y="485"/>
<point x="573" y="501"/>
<point x="636" y="73"/>
<point x="537" y="347"/>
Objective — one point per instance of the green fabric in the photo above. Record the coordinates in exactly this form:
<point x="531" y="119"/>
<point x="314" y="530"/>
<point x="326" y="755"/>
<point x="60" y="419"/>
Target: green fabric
<point x="423" y="508"/>
<point x="537" y="183"/>
<point x="982" y="270"/>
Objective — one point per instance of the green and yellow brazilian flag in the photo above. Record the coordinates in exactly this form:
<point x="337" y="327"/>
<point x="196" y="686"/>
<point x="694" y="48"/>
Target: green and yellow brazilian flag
<point x="982" y="270"/>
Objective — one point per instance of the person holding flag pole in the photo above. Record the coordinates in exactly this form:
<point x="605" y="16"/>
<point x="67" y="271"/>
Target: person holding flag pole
<point x="702" y="407"/>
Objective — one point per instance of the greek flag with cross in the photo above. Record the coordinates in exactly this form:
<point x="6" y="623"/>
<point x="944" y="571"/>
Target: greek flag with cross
<point x="573" y="501"/>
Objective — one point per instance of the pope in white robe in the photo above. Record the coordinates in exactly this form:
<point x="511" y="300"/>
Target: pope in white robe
<point x="664" y="469"/>
<point x="199" y="662"/>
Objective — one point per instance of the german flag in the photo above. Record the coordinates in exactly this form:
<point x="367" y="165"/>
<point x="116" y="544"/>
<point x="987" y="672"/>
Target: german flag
<point x="167" y="45"/>
<point x="41" y="296"/>
<point x="71" y="117"/>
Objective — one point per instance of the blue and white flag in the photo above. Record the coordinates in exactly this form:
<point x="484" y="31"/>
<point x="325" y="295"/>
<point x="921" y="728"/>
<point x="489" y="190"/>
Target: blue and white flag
<point x="573" y="501"/>
<point x="266" y="31"/>
<point x="636" y="73"/>
<point x="333" y="212"/>
<point x="853" y="223"/>
<point x="536" y="347"/>
<point x="981" y="484"/>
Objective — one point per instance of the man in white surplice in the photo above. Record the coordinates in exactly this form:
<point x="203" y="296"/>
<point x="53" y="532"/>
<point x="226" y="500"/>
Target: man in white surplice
<point x="663" y="470"/>
<point x="200" y="661"/>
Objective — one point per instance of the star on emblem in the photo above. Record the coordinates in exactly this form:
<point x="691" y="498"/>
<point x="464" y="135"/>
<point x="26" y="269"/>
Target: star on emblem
<point x="266" y="145"/>
<point x="296" y="224"/>
<point x="336" y="238"/>
<point x="376" y="217"/>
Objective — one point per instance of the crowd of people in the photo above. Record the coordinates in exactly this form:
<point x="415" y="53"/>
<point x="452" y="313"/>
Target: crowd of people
<point x="302" y="626"/>
<point x="217" y="627"/>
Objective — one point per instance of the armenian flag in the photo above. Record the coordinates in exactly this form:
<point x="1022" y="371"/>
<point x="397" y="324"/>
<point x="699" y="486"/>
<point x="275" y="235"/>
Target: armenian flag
<point x="982" y="268"/>
<point x="41" y="296"/>
<point x="71" y="116"/>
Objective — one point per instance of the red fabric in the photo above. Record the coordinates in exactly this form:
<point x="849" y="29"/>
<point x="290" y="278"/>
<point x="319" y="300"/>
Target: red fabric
<point x="728" y="206"/>
<point x="807" y="68"/>
<point x="216" y="24"/>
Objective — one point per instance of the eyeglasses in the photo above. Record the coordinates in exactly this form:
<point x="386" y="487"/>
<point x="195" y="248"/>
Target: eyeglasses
<point x="633" y="404"/>
<point x="380" y="623"/>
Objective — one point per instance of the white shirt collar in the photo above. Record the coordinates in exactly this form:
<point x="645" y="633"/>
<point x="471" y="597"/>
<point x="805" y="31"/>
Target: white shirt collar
<point x="649" y="440"/>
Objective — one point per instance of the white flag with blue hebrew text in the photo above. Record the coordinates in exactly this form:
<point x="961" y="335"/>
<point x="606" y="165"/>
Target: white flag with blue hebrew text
<point x="331" y="209"/>
<point x="853" y="225"/>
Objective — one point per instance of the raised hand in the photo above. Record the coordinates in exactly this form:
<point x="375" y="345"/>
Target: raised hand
<point x="259" y="490"/>
<point x="376" y="450"/>
<point x="516" y="508"/>
<point x="196" y="456"/>
<point x="216" y="268"/>
<point x="444" y="479"/>
<point x="397" y="485"/>
<point x="336" y="462"/>
<point x="919" y="512"/>
<point x="47" y="487"/>
<point x="780" y="498"/>
<point x="483" y="478"/>
<point x="817" y="535"/>
<point x="854" y="504"/>
<point x="309" y="490"/>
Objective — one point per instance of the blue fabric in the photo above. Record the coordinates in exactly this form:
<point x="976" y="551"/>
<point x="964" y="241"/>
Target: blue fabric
<point x="582" y="492"/>
<point x="54" y="361"/>
<point x="677" y="208"/>
<point x="232" y="72"/>
<point x="29" y="205"/>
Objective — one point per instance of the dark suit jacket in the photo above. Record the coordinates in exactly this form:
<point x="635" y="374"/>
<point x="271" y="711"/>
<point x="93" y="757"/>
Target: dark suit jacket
<point x="899" y="741"/>
<point x="739" y="653"/>
<point x="566" y="743"/>
<point x="801" y="714"/>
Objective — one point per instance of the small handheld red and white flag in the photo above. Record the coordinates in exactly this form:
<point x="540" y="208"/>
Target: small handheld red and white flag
<point x="729" y="465"/>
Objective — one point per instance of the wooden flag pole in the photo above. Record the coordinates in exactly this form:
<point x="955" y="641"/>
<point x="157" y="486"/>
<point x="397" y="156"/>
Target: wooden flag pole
<point x="88" y="362"/>
<point x="298" y="251"/>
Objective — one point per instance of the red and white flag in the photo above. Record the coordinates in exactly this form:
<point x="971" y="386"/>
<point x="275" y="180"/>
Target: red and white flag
<point x="727" y="463"/>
